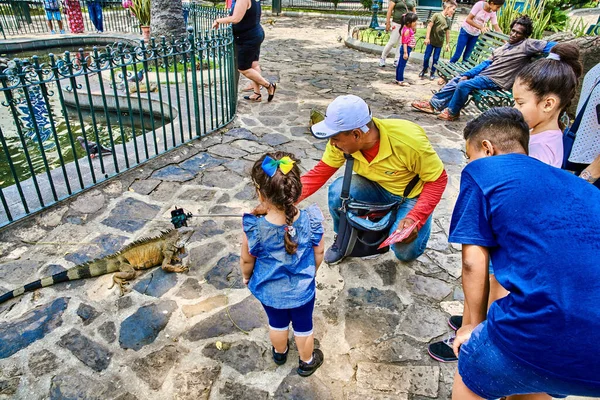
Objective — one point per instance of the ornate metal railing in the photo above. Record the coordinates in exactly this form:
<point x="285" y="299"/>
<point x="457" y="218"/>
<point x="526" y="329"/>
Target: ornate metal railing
<point x="135" y="101"/>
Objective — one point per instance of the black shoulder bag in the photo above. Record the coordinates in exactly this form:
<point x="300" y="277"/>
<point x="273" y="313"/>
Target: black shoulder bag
<point x="364" y="226"/>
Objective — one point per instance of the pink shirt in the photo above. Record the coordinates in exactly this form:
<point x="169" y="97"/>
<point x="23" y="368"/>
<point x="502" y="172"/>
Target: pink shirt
<point x="481" y="18"/>
<point x="408" y="37"/>
<point x="547" y="147"/>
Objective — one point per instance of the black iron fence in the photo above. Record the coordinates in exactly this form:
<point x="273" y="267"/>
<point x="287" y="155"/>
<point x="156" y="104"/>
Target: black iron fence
<point x="70" y="121"/>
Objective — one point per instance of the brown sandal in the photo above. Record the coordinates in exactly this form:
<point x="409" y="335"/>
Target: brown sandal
<point x="256" y="99"/>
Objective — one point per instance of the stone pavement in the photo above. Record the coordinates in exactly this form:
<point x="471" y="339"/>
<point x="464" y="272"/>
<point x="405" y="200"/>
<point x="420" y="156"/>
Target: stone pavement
<point x="201" y="335"/>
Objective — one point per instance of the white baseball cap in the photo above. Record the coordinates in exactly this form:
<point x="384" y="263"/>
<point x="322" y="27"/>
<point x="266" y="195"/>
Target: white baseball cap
<point x="343" y="114"/>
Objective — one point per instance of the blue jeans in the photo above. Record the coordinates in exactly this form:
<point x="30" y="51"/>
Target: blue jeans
<point x="465" y="42"/>
<point x="95" y="11"/>
<point x="402" y="63"/>
<point x="365" y="190"/>
<point x="455" y="94"/>
<point x="436" y="56"/>
<point x="490" y="373"/>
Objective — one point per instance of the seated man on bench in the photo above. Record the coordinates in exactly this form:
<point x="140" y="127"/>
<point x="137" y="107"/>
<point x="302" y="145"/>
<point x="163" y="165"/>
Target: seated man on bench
<point x="496" y="73"/>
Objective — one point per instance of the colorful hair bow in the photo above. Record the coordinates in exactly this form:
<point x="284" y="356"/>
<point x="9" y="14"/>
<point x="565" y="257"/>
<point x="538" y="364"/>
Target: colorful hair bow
<point x="285" y="164"/>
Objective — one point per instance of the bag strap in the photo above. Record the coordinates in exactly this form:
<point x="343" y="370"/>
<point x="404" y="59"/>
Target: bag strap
<point x="345" y="194"/>
<point x="579" y="116"/>
<point x="411" y="185"/>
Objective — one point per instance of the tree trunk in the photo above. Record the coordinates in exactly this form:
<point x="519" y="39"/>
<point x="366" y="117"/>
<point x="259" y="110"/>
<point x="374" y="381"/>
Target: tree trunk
<point x="589" y="48"/>
<point x="166" y="18"/>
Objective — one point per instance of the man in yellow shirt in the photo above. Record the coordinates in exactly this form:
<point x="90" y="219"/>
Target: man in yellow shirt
<point x="388" y="154"/>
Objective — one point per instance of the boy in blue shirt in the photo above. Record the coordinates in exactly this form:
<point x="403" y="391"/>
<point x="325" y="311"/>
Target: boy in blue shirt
<point x="52" y="8"/>
<point x="540" y="227"/>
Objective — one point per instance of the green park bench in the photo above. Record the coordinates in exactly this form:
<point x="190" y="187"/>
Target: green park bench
<point x="483" y="99"/>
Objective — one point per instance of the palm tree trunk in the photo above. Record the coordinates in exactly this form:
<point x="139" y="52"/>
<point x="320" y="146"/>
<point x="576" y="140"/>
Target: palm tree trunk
<point x="167" y="18"/>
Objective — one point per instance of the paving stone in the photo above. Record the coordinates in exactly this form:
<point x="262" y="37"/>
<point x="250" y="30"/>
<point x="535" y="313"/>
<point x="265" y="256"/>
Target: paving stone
<point x="394" y="350"/>
<point x="364" y="327"/>
<point x="430" y="287"/>
<point x="191" y="310"/>
<point x="237" y="391"/>
<point x="274" y="139"/>
<point x="240" y="167"/>
<point x="92" y="354"/>
<point x="438" y="242"/>
<point x="9" y="386"/>
<point x="201" y="162"/>
<point x="247" y="314"/>
<point x="295" y="387"/>
<point x="387" y="271"/>
<point x="173" y="173"/>
<point x="130" y="215"/>
<point x="42" y="362"/>
<point x="126" y="396"/>
<point x="72" y="385"/>
<point x="458" y="294"/>
<point x="247" y="193"/>
<point x="356" y="393"/>
<point x="374" y="298"/>
<point x="422" y="322"/>
<point x="243" y="356"/>
<point x="108" y="331"/>
<point x="425" y="266"/>
<point x="452" y="307"/>
<point x="196" y="383"/>
<point x="144" y="186"/>
<point x="87" y="313"/>
<point x="32" y="326"/>
<point x="53" y="217"/>
<point x="190" y="289"/>
<point x="221" y="179"/>
<point x="227" y="151"/>
<point x="19" y="272"/>
<point x="450" y="156"/>
<point x="419" y="380"/>
<point x="154" y="367"/>
<point x="124" y="302"/>
<point x="156" y="283"/>
<point x="299" y="130"/>
<point x="238" y="133"/>
<point x="207" y="229"/>
<point x="165" y="191"/>
<point x="251" y="147"/>
<point x="143" y="326"/>
<point x="75" y="219"/>
<point x="105" y="245"/>
<point x="451" y="263"/>
<point x="226" y="274"/>
<point x="222" y="209"/>
<point x="224" y="199"/>
<point x="89" y="203"/>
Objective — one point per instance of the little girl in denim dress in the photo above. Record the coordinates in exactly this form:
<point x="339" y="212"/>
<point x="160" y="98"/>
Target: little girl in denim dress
<point x="281" y="252"/>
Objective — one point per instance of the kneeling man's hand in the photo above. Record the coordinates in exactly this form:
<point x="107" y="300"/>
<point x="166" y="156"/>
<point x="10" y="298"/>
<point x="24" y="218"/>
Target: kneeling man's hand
<point x="405" y="223"/>
<point x="462" y="335"/>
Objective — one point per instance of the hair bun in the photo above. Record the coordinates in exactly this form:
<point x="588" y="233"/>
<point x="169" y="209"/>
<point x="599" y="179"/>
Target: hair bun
<point x="569" y="54"/>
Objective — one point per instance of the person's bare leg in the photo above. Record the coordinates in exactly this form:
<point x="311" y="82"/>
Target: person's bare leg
<point x="250" y="85"/>
<point x="496" y="291"/>
<point x="460" y="391"/>
<point x="466" y="316"/>
<point x="279" y="339"/>
<point x="257" y="78"/>
<point x="49" y="23"/>
<point x="60" y="25"/>
<point x="306" y="346"/>
<point x="535" y="396"/>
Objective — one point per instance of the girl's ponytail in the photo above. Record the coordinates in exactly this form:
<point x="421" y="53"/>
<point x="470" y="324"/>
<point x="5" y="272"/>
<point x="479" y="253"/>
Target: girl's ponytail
<point x="408" y="18"/>
<point x="569" y="54"/>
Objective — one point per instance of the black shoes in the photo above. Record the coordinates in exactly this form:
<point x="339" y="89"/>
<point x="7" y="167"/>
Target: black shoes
<point x="455" y="322"/>
<point x="307" y="369"/>
<point x="333" y="255"/>
<point x="442" y="351"/>
<point x="423" y="73"/>
<point x="279" y="358"/>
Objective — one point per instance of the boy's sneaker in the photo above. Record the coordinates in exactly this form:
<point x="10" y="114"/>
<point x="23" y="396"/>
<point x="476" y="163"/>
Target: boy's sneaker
<point x="395" y="63"/>
<point x="307" y="369"/>
<point x="455" y="322"/>
<point x="423" y="73"/>
<point x="53" y="32"/>
<point x="442" y="351"/>
<point x="432" y="77"/>
<point x="280" y="358"/>
<point x="62" y="31"/>
<point x="382" y="62"/>
<point x="333" y="255"/>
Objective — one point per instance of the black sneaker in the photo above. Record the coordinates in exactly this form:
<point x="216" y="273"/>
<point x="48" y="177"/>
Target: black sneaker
<point x="455" y="322"/>
<point x="423" y="73"/>
<point x="279" y="358"/>
<point x="333" y="255"/>
<point x="307" y="369"/>
<point x="442" y="351"/>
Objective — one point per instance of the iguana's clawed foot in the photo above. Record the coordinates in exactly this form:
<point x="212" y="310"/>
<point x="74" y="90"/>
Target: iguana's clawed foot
<point x="175" y="268"/>
<point x="122" y="285"/>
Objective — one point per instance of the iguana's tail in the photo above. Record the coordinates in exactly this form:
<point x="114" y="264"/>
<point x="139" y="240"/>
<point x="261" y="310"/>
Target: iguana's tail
<point x="83" y="271"/>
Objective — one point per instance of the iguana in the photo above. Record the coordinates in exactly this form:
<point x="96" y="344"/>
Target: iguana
<point x="142" y="254"/>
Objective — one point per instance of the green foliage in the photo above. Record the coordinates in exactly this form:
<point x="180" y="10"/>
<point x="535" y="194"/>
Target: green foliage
<point x="578" y="27"/>
<point x="141" y="9"/>
<point x="335" y="3"/>
<point x="367" y="4"/>
<point x="533" y="8"/>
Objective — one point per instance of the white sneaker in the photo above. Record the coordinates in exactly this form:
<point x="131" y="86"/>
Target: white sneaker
<point x="382" y="62"/>
<point x="395" y="63"/>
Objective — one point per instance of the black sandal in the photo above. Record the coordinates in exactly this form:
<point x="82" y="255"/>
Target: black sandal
<point x="256" y="99"/>
<point x="271" y="95"/>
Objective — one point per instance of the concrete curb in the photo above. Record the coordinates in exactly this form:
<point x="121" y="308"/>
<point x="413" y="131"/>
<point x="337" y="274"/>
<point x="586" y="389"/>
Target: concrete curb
<point x="313" y="14"/>
<point x="20" y="44"/>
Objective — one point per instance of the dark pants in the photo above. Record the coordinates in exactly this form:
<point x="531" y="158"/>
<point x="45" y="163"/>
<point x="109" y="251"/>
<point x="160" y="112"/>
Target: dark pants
<point x="402" y="63"/>
<point x="436" y="56"/>
<point x="455" y="94"/>
<point x="466" y="43"/>
<point x="95" y="11"/>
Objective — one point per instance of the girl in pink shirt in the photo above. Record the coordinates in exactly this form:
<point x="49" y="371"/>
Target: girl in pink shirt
<point x="408" y="41"/>
<point x="542" y="91"/>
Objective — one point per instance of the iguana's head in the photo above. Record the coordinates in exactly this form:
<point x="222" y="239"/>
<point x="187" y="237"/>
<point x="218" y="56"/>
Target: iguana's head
<point x="184" y="235"/>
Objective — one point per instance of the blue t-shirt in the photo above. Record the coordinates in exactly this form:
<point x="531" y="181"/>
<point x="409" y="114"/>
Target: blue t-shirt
<point x="542" y="227"/>
<point x="282" y="280"/>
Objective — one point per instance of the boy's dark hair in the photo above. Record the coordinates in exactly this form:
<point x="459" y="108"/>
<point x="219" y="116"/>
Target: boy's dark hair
<point x="505" y="127"/>
<point x="408" y="18"/>
<point x="525" y="22"/>
<point x="559" y="77"/>
<point x="497" y="2"/>
<point x="450" y="3"/>
<point x="282" y="190"/>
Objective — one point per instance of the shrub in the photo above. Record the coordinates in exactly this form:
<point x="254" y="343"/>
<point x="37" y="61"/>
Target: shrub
<point x="534" y="8"/>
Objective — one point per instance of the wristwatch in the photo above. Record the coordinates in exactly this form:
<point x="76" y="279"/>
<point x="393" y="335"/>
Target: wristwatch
<point x="585" y="174"/>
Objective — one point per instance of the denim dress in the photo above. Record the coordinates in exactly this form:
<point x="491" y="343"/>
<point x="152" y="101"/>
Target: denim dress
<point x="281" y="280"/>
